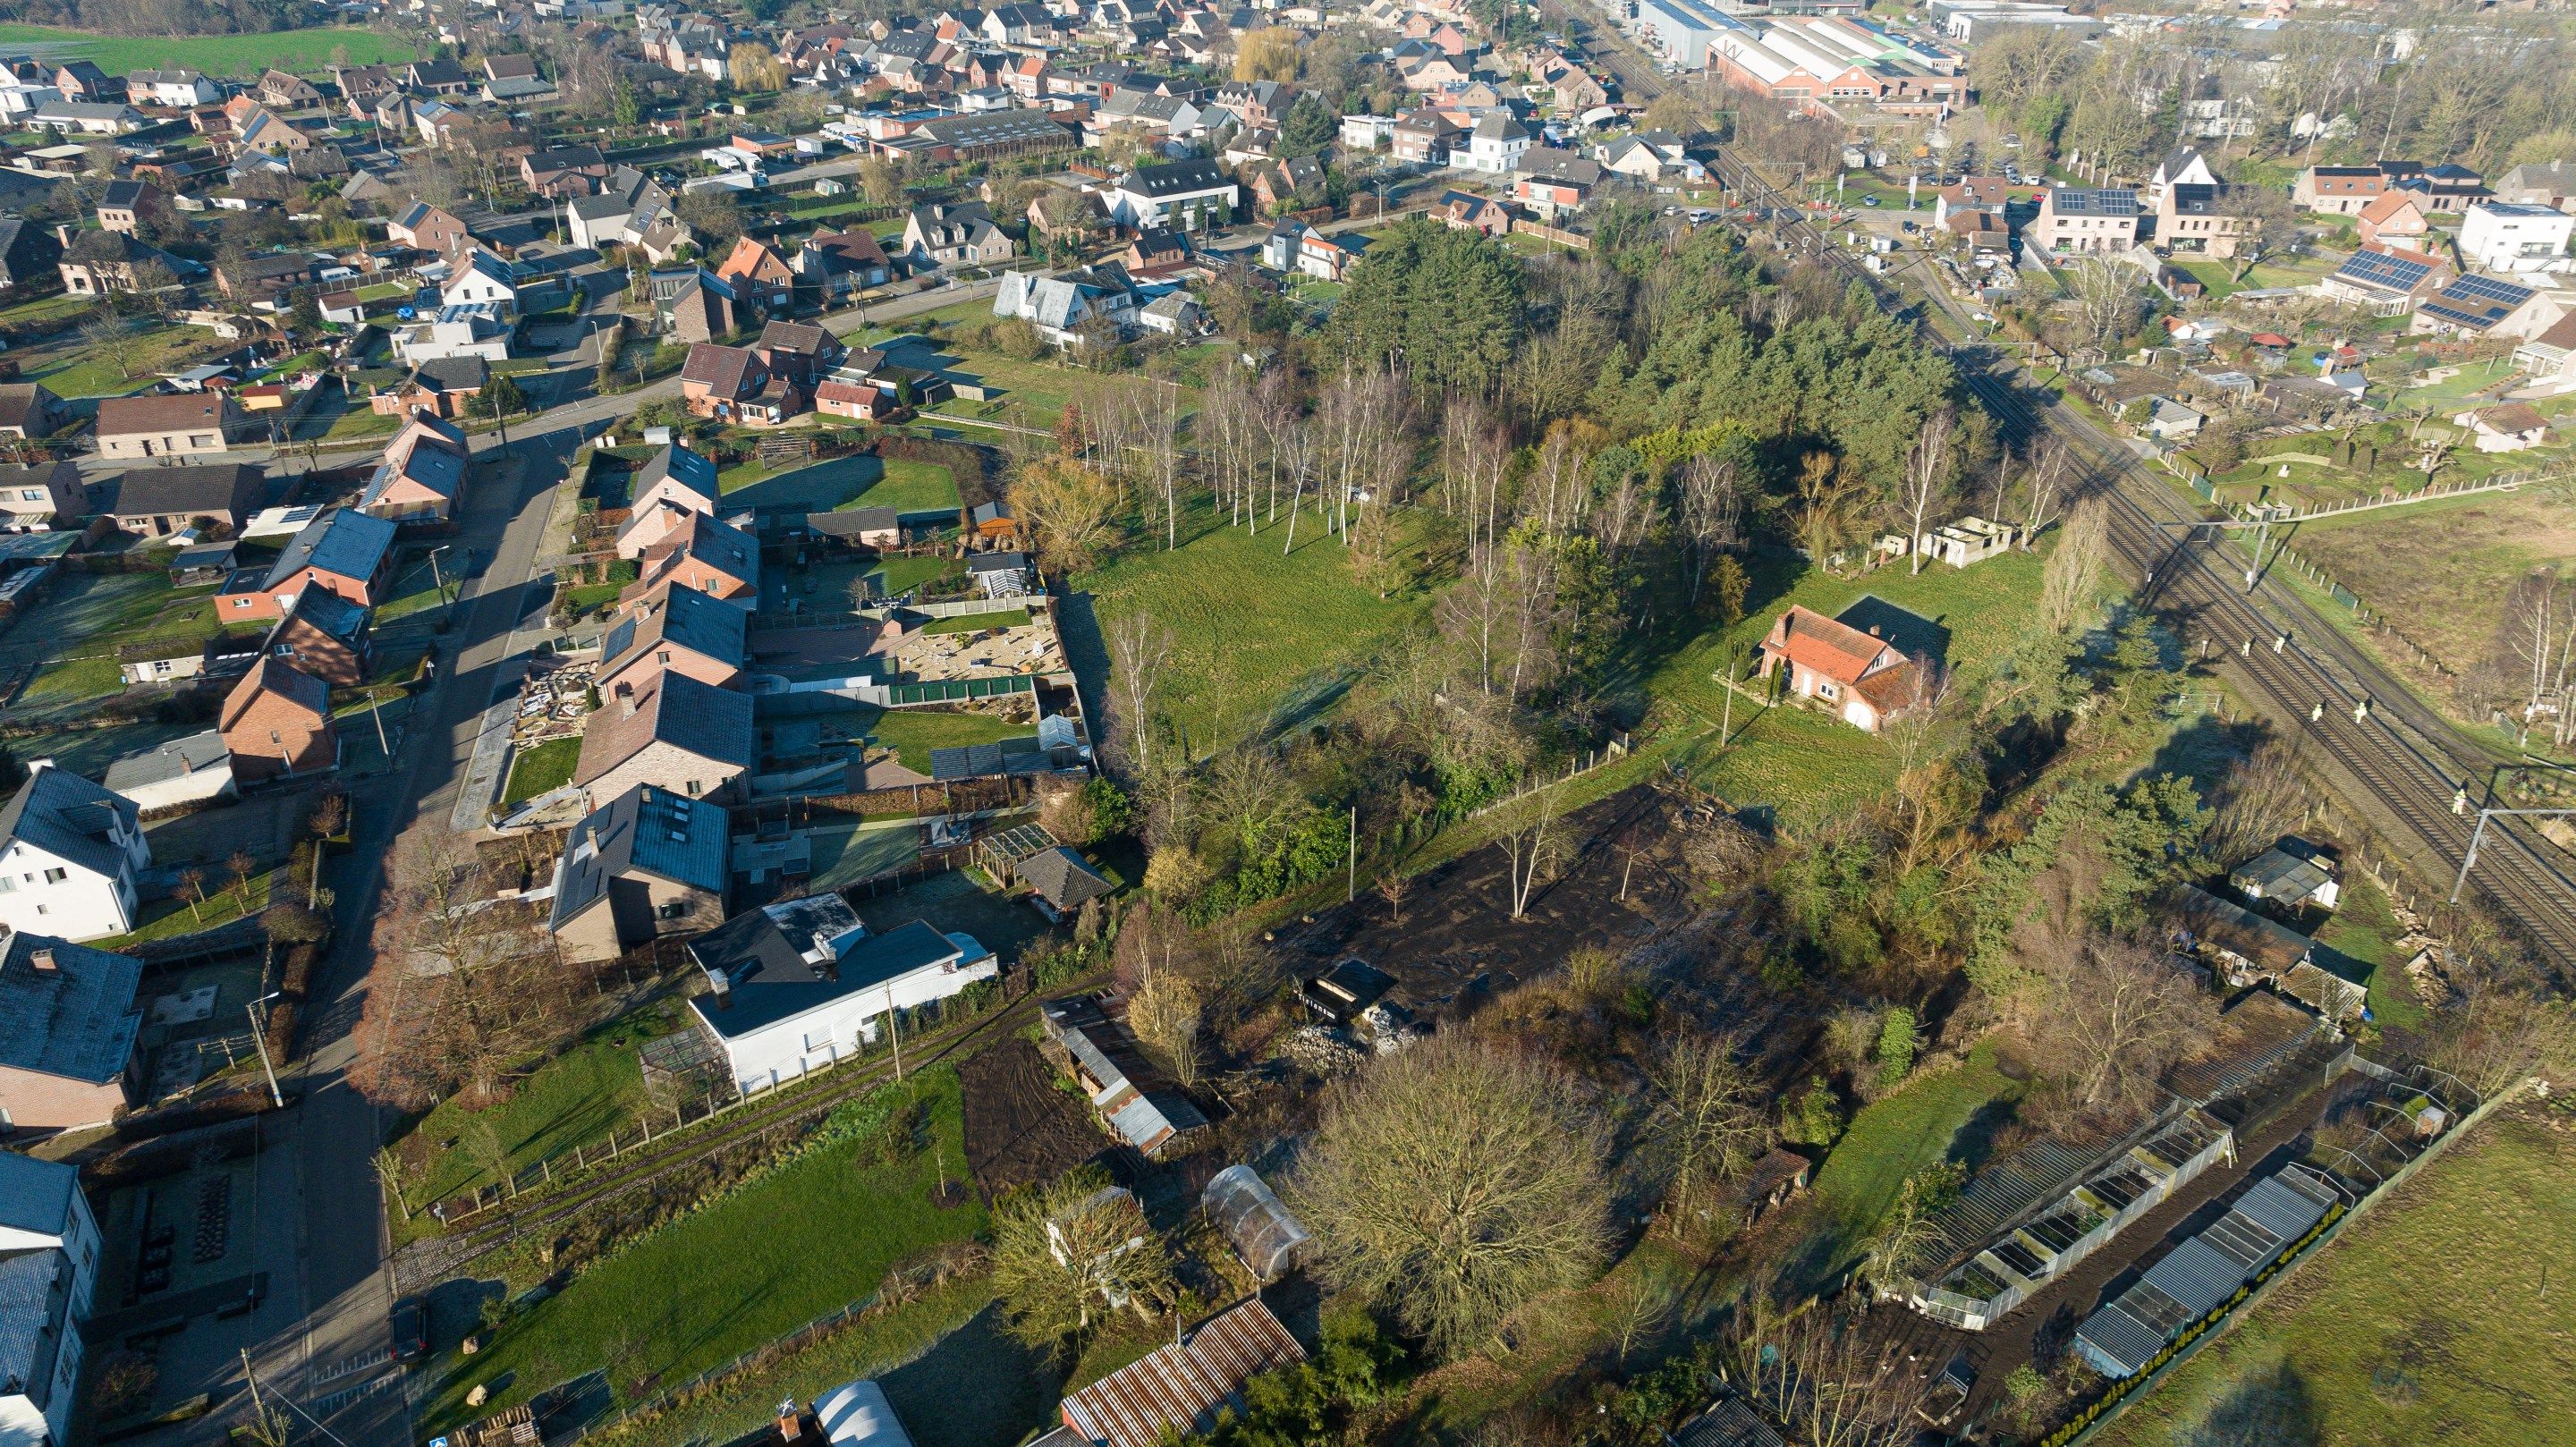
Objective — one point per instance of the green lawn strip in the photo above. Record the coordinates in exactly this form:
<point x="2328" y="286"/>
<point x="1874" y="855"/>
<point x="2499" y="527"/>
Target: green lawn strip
<point x="1893" y="1138"/>
<point x="385" y="291"/>
<point x="168" y="919"/>
<point x="547" y="766"/>
<point x="576" y="1098"/>
<point x="415" y="590"/>
<point x="903" y="573"/>
<point x="2364" y="932"/>
<point x="93" y="617"/>
<point x="913" y="732"/>
<point x="978" y="622"/>
<point x="2426" y="1320"/>
<point x="238" y="55"/>
<point x="60" y="307"/>
<point x="1252" y="630"/>
<point x="908" y="486"/>
<point x="804" y="1240"/>
<point x="87" y="372"/>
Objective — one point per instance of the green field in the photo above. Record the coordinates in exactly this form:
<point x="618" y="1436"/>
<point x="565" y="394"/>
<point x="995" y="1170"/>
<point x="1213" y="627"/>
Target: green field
<point x="85" y="371"/>
<point x="2441" y="1315"/>
<point x="240" y="55"/>
<point x="545" y="767"/>
<point x="2365" y="933"/>
<point x="1256" y="635"/>
<point x="576" y="1098"/>
<point x="908" y="486"/>
<point x="804" y="1240"/>
<point x="913" y="732"/>
<point x="1934" y="1117"/>
<point x="903" y="573"/>
<point x="978" y="622"/>
<point x="2417" y="565"/>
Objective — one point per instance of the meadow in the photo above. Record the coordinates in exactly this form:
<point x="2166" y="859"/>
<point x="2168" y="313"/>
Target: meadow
<point x="230" y="55"/>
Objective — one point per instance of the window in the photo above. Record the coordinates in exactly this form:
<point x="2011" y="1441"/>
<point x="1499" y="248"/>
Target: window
<point x="675" y="909"/>
<point x="8" y="885"/>
<point x="1827" y="688"/>
<point x="31" y="494"/>
<point x="57" y="876"/>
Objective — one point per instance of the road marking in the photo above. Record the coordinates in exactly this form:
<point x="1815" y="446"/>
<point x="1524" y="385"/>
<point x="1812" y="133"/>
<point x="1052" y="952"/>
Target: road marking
<point x="325" y="1406"/>
<point x="345" y="1365"/>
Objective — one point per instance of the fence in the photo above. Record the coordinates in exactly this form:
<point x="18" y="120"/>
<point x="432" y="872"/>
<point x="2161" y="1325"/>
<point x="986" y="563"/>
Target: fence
<point x="1575" y="768"/>
<point x="2361" y="612"/>
<point x="795" y="1341"/>
<point x="2431" y="492"/>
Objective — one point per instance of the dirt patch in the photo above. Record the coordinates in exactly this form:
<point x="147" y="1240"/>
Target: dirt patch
<point x="1457" y="941"/>
<point x="1021" y="1129"/>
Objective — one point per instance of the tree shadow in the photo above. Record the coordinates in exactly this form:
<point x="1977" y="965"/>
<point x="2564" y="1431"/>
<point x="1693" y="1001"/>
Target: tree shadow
<point x="975" y="1386"/>
<point x="1911" y="633"/>
<point x="2273" y="1410"/>
<point x="1974" y="1141"/>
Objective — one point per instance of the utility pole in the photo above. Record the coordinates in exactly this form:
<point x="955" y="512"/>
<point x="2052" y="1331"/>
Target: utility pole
<point x="259" y="1037"/>
<point x="896" y="1030"/>
<point x="436" y="576"/>
<point x="1351" y="871"/>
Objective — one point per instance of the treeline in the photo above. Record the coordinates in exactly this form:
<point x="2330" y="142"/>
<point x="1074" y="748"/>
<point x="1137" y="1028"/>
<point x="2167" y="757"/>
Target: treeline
<point x="156" y="18"/>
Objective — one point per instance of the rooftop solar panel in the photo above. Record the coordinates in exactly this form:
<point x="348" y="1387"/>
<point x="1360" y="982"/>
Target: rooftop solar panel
<point x="2487" y="288"/>
<point x="2479" y="320"/>
<point x="2393" y="272"/>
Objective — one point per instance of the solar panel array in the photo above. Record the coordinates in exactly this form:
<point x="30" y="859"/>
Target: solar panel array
<point x="2373" y="268"/>
<point x="2117" y="202"/>
<point x="2198" y="1275"/>
<point x="2489" y="289"/>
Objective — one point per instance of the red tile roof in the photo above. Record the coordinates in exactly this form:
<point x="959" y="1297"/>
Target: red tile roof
<point x="1818" y="643"/>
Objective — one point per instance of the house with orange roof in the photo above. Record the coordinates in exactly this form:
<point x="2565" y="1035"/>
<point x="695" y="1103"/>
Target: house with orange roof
<point x="704" y="553"/>
<point x="2392" y="218"/>
<point x="759" y="274"/>
<point x="1861" y="677"/>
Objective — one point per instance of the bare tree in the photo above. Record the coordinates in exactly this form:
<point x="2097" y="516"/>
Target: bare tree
<point x="1712" y="513"/>
<point x="1475" y="458"/>
<point x="1140" y="650"/>
<point x="1478" y="608"/>
<point x="1533" y="845"/>
<point x="2074" y="573"/>
<point x="1164" y="1013"/>
<point x="1908" y="1240"/>
<point x="1451" y="1183"/>
<point x="2262" y="798"/>
<point x="1392" y="887"/>
<point x="1069" y="508"/>
<point x="1711" y="1114"/>
<point x="114" y="338"/>
<point x="2052" y="468"/>
<point x="2110" y="1016"/>
<point x="1927" y="478"/>
<point x="2109" y="297"/>
<point x="1822" y="1377"/>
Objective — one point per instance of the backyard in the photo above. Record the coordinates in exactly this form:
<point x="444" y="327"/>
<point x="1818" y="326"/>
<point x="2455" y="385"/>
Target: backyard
<point x="1941" y="1114"/>
<point x="913" y="732"/>
<point x="1260" y="639"/>
<point x="88" y="618"/>
<point x="2427" y="1320"/>
<point x="83" y="369"/>
<point x="842" y="484"/>
<point x="238" y="55"/>
<point x="542" y="768"/>
<point x="806" y="1239"/>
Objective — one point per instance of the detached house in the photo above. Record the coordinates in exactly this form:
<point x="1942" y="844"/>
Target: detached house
<point x="798" y="984"/>
<point x="734" y="384"/>
<point x="646" y="864"/>
<point x="1182" y="196"/>
<point x="277" y="723"/>
<point x="33" y="498"/>
<point x="702" y="553"/>
<point x="422" y="478"/>
<point x="1065" y="308"/>
<point x="1496" y="145"/>
<point x="842" y="263"/>
<point x="674" y="733"/>
<point x="565" y="172"/>
<point x="1860" y="676"/>
<point x="159" y="501"/>
<point x="426" y="228"/>
<point x="956" y="233"/>
<point x="759" y="275"/>
<point x="673" y="484"/>
<point x="70" y="855"/>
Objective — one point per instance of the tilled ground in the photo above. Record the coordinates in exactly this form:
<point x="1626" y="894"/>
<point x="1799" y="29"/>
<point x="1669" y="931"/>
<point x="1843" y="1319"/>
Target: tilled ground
<point x="1021" y="1128"/>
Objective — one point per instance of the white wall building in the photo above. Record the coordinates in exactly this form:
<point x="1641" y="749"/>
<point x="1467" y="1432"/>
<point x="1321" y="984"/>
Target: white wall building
<point x="801" y="983"/>
<point x="2497" y="236"/>
<point x="69" y="855"/>
<point x="49" y="1253"/>
<point x="1496" y="144"/>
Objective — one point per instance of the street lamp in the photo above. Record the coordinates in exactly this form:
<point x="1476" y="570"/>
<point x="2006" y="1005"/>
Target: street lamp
<point x="259" y="1037"/>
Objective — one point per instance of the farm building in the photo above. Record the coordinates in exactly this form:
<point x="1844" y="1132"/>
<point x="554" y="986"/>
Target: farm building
<point x="2203" y="1272"/>
<point x="1969" y="540"/>
<point x="1147" y="1121"/>
<point x="1181" y="1388"/>
<point x="1267" y="1239"/>
<point x="2292" y="874"/>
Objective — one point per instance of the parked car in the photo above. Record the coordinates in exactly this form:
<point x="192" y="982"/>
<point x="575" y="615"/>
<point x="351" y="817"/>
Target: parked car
<point x="411" y="1329"/>
<point x="1869" y="200"/>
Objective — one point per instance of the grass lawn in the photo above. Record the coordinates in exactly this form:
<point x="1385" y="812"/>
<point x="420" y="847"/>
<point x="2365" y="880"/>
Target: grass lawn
<point x="2364" y="932"/>
<point x="1257" y="637"/>
<point x="913" y="732"/>
<point x="978" y="622"/>
<point x="1803" y="764"/>
<point x="242" y="55"/>
<point x="93" y="615"/>
<point x="902" y="573"/>
<point x="804" y="1240"/>
<point x="359" y="422"/>
<point x="2415" y="565"/>
<point x="1043" y="388"/>
<point x="2426" y="1321"/>
<point x="57" y="308"/>
<point x="1934" y="1117"/>
<point x="167" y="919"/>
<point x="85" y="371"/>
<point x="909" y="486"/>
<point x="415" y="590"/>
<point x="587" y="596"/>
<point x="575" y="1098"/>
<point x="547" y="766"/>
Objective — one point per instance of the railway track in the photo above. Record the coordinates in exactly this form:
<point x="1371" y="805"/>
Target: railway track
<point x="2395" y="757"/>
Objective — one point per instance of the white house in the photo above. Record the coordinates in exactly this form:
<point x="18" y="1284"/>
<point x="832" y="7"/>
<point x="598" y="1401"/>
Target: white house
<point x="1494" y="145"/>
<point x="175" y="88"/>
<point x="1182" y="196"/>
<point x="49" y="1255"/>
<point x="21" y="98"/>
<point x="69" y="855"/>
<point x="2495" y="236"/>
<point x="799" y="984"/>
<point x="197" y="769"/>
<point x="481" y="278"/>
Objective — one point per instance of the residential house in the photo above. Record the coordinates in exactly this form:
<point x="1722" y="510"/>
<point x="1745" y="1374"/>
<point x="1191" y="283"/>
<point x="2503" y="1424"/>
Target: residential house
<point x="674" y="733"/>
<point x="735" y="384"/>
<point x="33" y="499"/>
<point x="2090" y="222"/>
<point x="174" y="89"/>
<point x="2204" y="217"/>
<point x="2393" y="218"/>
<point x="2338" y="190"/>
<point x="2495" y="236"/>
<point x="1470" y="212"/>
<point x="1423" y="138"/>
<point x="1860" y="676"/>
<point x="2183" y="167"/>
<point x="2538" y="183"/>
<point x="1989" y="194"/>
<point x="564" y="172"/>
<point x="1294" y="246"/>
<point x="2484" y="306"/>
<point x="674" y="629"/>
<point x="344" y="551"/>
<point x="112" y="263"/>
<point x="159" y="501"/>
<point x="1554" y="183"/>
<point x="759" y="275"/>
<point x="2509" y="427"/>
<point x="265" y="278"/>
<point x="1495" y="145"/>
<point x="287" y="92"/>
<point x="71" y="854"/>
<point x="261" y="133"/>
<point x="437" y="77"/>
<point x="1185" y="1388"/>
<point x="83" y="118"/>
<point x="1156" y="252"/>
<point x="120" y="204"/>
<point x="672" y="484"/>
<point x="796" y="985"/>
<point x="2549" y="359"/>
<point x="1067" y="309"/>
<point x="277" y="724"/>
<point x="427" y="228"/>
<point x="2387" y="279"/>
<point x="864" y="389"/>
<point x="695" y="305"/>
<point x="178" y="424"/>
<point x="422" y="476"/>
<point x="842" y="264"/>
<point x="440" y="387"/>
<point x="1286" y="185"/>
<point x="954" y="233"/>
<point x="67" y="1062"/>
<point x="481" y="279"/>
<point x="802" y="353"/>
<point x="1646" y="156"/>
<point x="1058" y="214"/>
<point x="325" y="635"/>
<point x="1179" y="196"/>
<point x="706" y="554"/>
<point x="645" y="865"/>
<point x="364" y="87"/>
<point x="29" y="253"/>
<point x="193" y="770"/>
<point x="29" y="411"/>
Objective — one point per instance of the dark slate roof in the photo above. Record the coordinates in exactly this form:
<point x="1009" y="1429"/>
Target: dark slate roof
<point x="64" y="814"/>
<point x="675" y="709"/>
<point x="76" y="1020"/>
<point x="321" y="608"/>
<point x="1061" y="876"/>
<point x="566" y="158"/>
<point x="760" y="997"/>
<point x="453" y="374"/>
<point x="120" y="196"/>
<point x="998" y="563"/>
<point x="1177" y="179"/>
<point x="792" y="942"/>
<point x="644" y="830"/>
<point x="853" y="522"/>
<point x="686" y="617"/>
<point x="721" y="369"/>
<point x="797" y="337"/>
<point x="343" y="541"/>
<point x="681" y="465"/>
<point x="36" y="1195"/>
<point x="213" y="490"/>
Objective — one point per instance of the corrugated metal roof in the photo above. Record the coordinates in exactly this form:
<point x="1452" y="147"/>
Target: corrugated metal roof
<point x="1181" y="1387"/>
<point x="1731" y="1423"/>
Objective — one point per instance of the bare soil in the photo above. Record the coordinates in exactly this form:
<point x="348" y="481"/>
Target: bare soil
<point x="1457" y="943"/>
<point x="1020" y="1128"/>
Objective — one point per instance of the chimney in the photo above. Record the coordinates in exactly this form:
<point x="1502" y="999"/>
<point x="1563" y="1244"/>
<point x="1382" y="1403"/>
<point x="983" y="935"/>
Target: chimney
<point x="1873" y="630"/>
<point x="791" y="1423"/>
<point x="63" y="232"/>
<point x="43" y="960"/>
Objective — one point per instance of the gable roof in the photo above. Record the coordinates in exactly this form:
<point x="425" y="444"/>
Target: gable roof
<point x="67" y="816"/>
<point x="799" y="338"/>
<point x="217" y="489"/>
<point x="1062" y="878"/>
<point x="674" y="709"/>
<point x="1176" y="179"/>
<point x="171" y="412"/>
<point x="1180" y="1388"/>
<point x="322" y="609"/>
<point x="680" y="615"/>
<point x="678" y="465"/>
<point x="276" y="678"/>
<point x="1835" y="649"/>
<point x="713" y="541"/>
<point x="728" y="372"/>
<point x="644" y="830"/>
<point x="344" y="541"/>
<point x="77" y="1020"/>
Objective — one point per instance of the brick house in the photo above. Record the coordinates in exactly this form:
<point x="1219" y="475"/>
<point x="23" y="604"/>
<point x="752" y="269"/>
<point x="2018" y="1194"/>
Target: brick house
<point x="702" y="553"/>
<point x="1861" y="676"/>
<point x="440" y="386"/>
<point x="277" y="723"/>
<point x="343" y="551"/>
<point x="734" y="384"/>
<point x="564" y="172"/>
<point x="422" y="478"/>
<point x="159" y="501"/>
<point x="69" y="1059"/>
<point x="677" y="629"/>
<point x="426" y="228"/>
<point x="325" y="635"/>
<point x="647" y="863"/>
<point x="801" y="354"/>
<point x="694" y="305"/>
<point x="673" y="484"/>
<point x="179" y="424"/>
<point x="674" y="733"/>
<point x="759" y="275"/>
